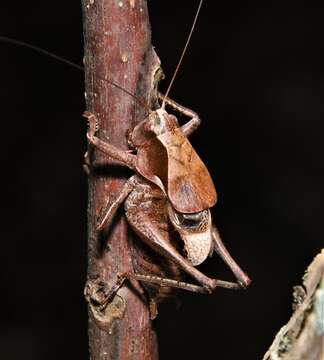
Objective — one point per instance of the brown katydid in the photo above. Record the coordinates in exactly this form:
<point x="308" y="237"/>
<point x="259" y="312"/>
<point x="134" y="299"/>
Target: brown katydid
<point x="171" y="190"/>
<point x="172" y="187"/>
<point x="170" y="196"/>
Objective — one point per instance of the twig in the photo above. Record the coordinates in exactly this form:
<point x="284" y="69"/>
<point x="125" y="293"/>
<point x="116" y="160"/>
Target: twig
<point x="302" y="338"/>
<point x="117" y="47"/>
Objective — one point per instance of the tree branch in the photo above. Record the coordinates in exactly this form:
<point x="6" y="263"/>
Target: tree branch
<point x="118" y="48"/>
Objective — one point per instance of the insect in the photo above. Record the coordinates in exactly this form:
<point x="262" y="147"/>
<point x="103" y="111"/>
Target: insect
<point x="171" y="191"/>
<point x="171" y="185"/>
<point x="166" y="201"/>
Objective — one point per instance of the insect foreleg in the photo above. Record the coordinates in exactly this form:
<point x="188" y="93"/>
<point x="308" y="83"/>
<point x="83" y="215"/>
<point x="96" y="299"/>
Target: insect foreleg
<point x="120" y="155"/>
<point x="191" y="125"/>
<point x="221" y="250"/>
<point x="114" y="203"/>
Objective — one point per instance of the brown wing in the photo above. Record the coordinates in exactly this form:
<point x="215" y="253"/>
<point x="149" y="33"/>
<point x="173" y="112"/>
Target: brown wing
<point x="190" y="187"/>
<point x="152" y="162"/>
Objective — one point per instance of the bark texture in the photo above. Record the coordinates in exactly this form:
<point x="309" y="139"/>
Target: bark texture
<point x="302" y="338"/>
<point x="118" y="48"/>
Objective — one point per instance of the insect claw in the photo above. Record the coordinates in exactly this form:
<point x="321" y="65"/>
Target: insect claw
<point x="93" y="123"/>
<point x="212" y="285"/>
<point x="244" y="283"/>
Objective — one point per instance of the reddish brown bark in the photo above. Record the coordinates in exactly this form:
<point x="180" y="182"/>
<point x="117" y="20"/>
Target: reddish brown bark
<point x="118" y="48"/>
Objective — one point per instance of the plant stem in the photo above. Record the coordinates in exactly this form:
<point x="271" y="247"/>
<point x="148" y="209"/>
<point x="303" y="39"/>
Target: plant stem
<point x="117" y="47"/>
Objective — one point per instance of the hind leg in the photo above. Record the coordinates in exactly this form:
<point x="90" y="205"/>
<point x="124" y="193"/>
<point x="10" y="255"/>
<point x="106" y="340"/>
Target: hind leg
<point x="161" y="281"/>
<point x="243" y="279"/>
<point x="152" y="234"/>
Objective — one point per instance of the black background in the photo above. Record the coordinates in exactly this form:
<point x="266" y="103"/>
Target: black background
<point x="254" y="73"/>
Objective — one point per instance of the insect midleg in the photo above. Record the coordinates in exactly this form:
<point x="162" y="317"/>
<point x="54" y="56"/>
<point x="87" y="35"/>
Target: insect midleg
<point x="191" y="125"/>
<point x="114" y="203"/>
<point x="221" y="250"/>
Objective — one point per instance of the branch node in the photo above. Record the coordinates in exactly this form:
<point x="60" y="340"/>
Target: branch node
<point x="103" y="310"/>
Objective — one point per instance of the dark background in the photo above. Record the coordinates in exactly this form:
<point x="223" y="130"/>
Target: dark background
<point x="254" y="73"/>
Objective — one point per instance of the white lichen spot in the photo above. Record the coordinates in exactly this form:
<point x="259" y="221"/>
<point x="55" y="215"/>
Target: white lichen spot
<point x="85" y="95"/>
<point x="106" y="33"/>
<point x="141" y="9"/>
<point x="125" y="76"/>
<point x="91" y="2"/>
<point x="120" y="4"/>
<point x="132" y="3"/>
<point x="124" y="58"/>
<point x="87" y="6"/>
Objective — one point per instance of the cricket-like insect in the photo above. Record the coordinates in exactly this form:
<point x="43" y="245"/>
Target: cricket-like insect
<point x="172" y="187"/>
<point x="170" y="195"/>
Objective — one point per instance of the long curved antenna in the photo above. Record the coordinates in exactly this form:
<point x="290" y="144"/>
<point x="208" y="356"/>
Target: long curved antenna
<point x="40" y="50"/>
<point x="183" y="53"/>
<point x="68" y="62"/>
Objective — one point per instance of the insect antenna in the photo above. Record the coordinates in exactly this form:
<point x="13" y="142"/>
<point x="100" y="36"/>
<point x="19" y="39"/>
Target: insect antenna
<point x="70" y="63"/>
<point x="183" y="53"/>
